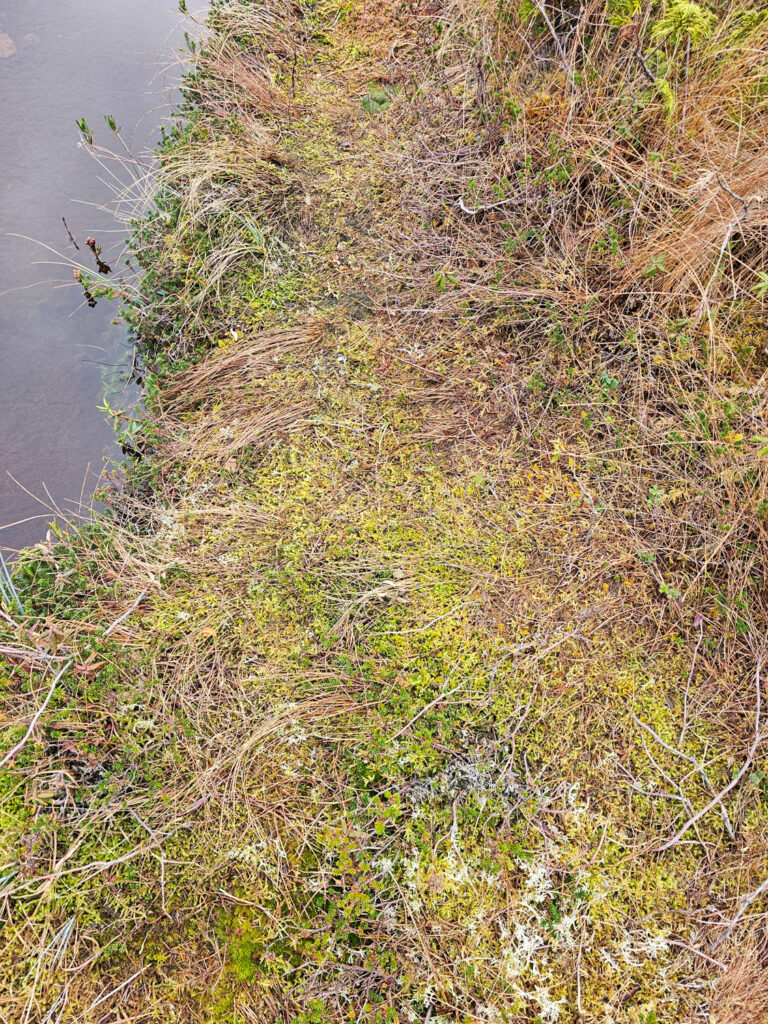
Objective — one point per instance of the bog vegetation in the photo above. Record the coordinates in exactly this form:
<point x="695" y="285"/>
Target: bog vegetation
<point x="416" y="671"/>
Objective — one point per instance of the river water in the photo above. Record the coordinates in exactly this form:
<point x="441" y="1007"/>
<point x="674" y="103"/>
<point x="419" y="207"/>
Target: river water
<point x="61" y="60"/>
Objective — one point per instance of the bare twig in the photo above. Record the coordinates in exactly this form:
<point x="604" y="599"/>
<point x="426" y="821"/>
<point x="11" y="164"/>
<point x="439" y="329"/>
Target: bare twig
<point x="108" y="995"/>
<point x="698" y="952"/>
<point x="690" y="760"/>
<point x="490" y="206"/>
<point x="744" y="904"/>
<point x="30" y="655"/>
<point x="687" y="70"/>
<point x="646" y="70"/>
<point x="36" y="717"/>
<point x="424" y="710"/>
<point x="689" y="681"/>
<point x="560" y="49"/>
<point x="728" y="234"/>
<point x="717" y="799"/>
<point x="125" y="614"/>
<point x="71" y="236"/>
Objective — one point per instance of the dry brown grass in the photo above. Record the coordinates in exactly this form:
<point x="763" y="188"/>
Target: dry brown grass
<point x="742" y="991"/>
<point x="638" y="186"/>
<point x="502" y="529"/>
<point x="232" y="200"/>
<point x="241" y="79"/>
<point x="591" y="217"/>
<point x="236" y="367"/>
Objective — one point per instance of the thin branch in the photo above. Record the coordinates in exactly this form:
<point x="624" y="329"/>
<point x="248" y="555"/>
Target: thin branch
<point x="646" y="70"/>
<point x="491" y="206"/>
<point x="690" y="680"/>
<point x="108" y="995"/>
<point x="125" y="614"/>
<point x="71" y="236"/>
<point x="556" y="38"/>
<point x="698" y="952"/>
<point x="759" y="737"/>
<point x="746" y="902"/>
<point x="690" y="760"/>
<point x="30" y="655"/>
<point x="728" y="234"/>
<point x="424" y="710"/>
<point x="36" y="718"/>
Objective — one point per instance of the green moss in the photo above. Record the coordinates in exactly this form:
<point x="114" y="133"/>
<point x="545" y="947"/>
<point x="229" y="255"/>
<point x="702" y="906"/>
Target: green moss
<point x="389" y="728"/>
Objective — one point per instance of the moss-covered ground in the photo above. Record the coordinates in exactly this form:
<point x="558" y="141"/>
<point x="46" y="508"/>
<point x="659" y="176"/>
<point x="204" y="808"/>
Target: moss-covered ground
<point x="414" y="672"/>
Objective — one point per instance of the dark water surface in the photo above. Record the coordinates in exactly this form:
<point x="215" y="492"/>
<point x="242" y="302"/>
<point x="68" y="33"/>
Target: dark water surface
<point x="58" y="358"/>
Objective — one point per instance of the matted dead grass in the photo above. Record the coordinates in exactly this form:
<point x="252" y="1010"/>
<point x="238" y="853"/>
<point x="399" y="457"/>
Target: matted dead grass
<point x="418" y="670"/>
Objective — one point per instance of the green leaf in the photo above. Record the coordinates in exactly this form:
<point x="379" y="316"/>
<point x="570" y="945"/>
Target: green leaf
<point x="761" y="288"/>
<point x="377" y="101"/>
<point x="656" y="266"/>
<point x="85" y="130"/>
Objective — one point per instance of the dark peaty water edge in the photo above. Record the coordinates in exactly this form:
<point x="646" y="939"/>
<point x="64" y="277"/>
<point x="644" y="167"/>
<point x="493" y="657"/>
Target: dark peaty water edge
<point x="59" y="358"/>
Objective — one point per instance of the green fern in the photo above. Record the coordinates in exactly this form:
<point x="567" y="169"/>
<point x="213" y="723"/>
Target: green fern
<point x="622" y="12"/>
<point x="748" y="22"/>
<point x="527" y="11"/>
<point x="683" y="20"/>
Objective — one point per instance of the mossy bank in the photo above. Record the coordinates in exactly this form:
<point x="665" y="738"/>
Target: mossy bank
<point x="415" y="670"/>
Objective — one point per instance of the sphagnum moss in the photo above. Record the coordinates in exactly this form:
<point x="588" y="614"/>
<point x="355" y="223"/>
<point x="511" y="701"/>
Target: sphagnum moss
<point x="432" y="612"/>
